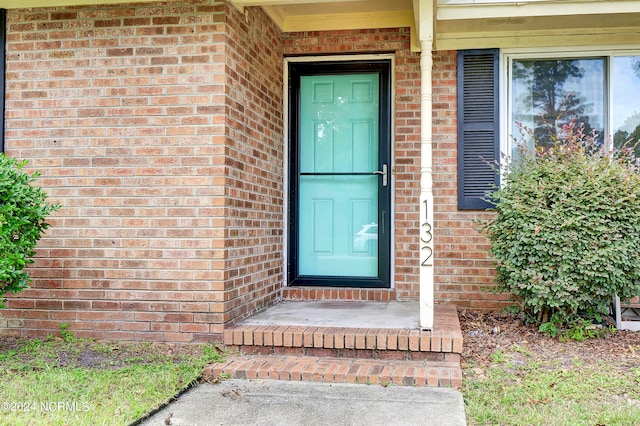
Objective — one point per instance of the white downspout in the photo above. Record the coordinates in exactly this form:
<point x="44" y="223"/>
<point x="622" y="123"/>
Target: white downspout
<point x="426" y="167"/>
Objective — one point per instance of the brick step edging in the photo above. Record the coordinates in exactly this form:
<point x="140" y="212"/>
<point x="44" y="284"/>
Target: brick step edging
<point x="347" y="353"/>
<point x="338" y="370"/>
<point x="344" y="338"/>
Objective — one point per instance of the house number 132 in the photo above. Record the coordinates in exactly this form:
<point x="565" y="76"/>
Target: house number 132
<point x="426" y="236"/>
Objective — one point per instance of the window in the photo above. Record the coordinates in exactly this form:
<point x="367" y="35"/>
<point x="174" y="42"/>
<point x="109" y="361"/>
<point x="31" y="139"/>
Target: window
<point x="600" y="90"/>
<point x="625" y="88"/>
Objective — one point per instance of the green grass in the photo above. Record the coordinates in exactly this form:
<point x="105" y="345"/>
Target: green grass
<point x="80" y="382"/>
<point x="541" y="393"/>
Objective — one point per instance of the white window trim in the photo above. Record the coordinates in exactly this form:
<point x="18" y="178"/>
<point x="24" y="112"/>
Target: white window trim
<point x="508" y="55"/>
<point x="285" y="97"/>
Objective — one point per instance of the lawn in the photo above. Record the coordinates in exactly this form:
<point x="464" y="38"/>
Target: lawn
<point x="68" y="381"/>
<point x="534" y="393"/>
<point x="515" y="375"/>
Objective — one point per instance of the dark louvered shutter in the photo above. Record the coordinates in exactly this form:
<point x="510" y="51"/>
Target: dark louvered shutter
<point x="478" y="132"/>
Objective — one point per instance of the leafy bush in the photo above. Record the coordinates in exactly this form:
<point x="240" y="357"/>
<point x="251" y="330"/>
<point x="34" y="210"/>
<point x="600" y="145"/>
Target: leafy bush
<point x="23" y="211"/>
<point x="566" y="236"/>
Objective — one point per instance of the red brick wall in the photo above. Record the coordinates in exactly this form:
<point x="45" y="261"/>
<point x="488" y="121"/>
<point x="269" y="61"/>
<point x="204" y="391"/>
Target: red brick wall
<point x="462" y="268"/>
<point x="254" y="163"/>
<point x="407" y="179"/>
<point x="164" y="149"/>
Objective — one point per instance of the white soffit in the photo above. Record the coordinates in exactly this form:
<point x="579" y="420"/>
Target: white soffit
<point x="513" y="32"/>
<point x="319" y="15"/>
<point x="481" y="9"/>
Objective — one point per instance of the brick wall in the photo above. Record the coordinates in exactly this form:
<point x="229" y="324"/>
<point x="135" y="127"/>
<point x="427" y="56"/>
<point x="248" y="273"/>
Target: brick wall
<point x="254" y="163"/>
<point x="163" y="148"/>
<point x="462" y="268"/>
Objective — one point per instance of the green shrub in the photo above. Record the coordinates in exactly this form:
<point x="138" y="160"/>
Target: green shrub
<point x="23" y="211"/>
<point x="566" y="236"/>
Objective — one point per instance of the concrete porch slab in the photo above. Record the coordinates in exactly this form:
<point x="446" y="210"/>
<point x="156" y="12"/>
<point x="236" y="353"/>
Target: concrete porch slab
<point x="340" y="314"/>
<point x="342" y="327"/>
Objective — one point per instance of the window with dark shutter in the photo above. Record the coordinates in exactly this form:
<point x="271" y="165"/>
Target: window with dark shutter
<point x="478" y="132"/>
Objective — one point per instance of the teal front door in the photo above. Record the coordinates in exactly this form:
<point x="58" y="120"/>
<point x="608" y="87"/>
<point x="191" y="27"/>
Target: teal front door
<point x="339" y="174"/>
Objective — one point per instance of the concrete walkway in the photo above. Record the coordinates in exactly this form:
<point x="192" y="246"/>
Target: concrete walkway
<point x="274" y="402"/>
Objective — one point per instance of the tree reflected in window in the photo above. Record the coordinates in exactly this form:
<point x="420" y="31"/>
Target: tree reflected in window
<point x="549" y="93"/>
<point x="626" y="91"/>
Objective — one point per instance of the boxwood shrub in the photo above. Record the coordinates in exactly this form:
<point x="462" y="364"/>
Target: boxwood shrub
<point x="566" y="234"/>
<point x="23" y="212"/>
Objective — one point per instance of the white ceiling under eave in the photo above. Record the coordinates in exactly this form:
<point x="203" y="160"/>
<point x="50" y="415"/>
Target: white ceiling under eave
<point x="319" y="15"/>
<point x="472" y="24"/>
<point x="468" y="24"/>
<point x="327" y="15"/>
<point x="578" y="30"/>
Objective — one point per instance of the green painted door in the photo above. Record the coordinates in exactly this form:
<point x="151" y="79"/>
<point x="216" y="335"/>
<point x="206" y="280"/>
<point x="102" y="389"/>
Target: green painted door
<point x="341" y="180"/>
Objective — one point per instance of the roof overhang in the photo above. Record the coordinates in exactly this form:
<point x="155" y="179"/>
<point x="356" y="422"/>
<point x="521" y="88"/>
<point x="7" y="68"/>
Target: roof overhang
<point x="466" y="24"/>
<point x="319" y="15"/>
<point x="327" y="15"/>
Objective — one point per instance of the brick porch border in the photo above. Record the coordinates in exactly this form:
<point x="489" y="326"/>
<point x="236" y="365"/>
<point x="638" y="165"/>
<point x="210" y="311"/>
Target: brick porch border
<point x="446" y="336"/>
<point x="339" y="370"/>
<point x="358" y="342"/>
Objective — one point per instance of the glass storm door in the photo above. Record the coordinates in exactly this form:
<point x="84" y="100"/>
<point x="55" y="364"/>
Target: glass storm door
<point x="340" y="174"/>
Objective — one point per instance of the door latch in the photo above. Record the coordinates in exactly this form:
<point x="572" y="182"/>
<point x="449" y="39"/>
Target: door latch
<point x="384" y="173"/>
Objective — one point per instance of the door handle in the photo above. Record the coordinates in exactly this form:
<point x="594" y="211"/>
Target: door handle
<point x="383" y="173"/>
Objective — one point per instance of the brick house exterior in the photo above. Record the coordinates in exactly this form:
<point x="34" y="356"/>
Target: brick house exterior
<point x="160" y="128"/>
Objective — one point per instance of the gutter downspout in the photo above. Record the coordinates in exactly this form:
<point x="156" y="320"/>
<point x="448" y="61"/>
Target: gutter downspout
<point x="426" y="14"/>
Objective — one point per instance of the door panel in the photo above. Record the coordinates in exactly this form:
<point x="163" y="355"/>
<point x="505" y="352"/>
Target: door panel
<point x="333" y="210"/>
<point x="338" y="201"/>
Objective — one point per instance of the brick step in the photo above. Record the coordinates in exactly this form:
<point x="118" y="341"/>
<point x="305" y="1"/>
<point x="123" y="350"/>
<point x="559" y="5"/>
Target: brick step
<point x="349" y="353"/>
<point x="338" y="370"/>
<point x="380" y="343"/>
